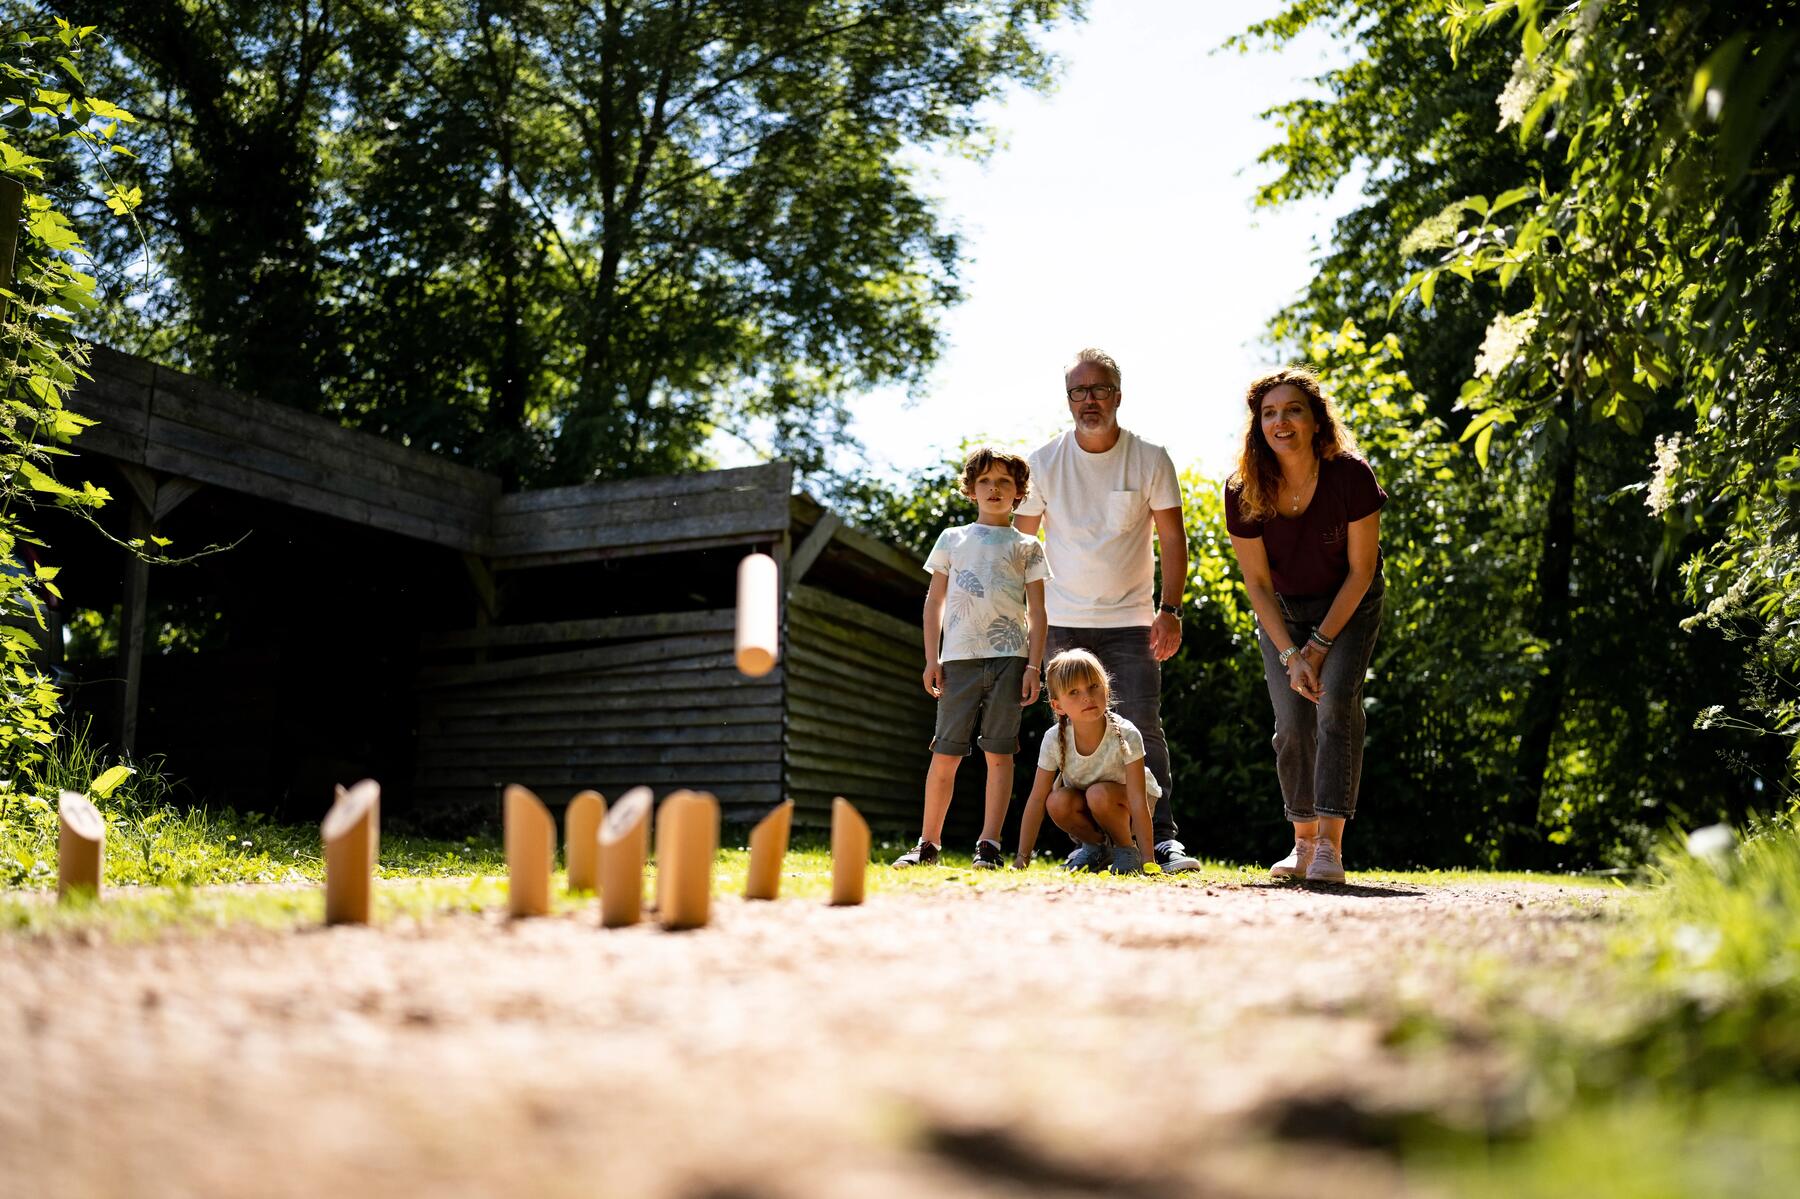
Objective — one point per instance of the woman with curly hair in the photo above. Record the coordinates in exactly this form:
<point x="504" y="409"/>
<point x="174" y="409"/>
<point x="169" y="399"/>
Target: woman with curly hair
<point x="1304" y="514"/>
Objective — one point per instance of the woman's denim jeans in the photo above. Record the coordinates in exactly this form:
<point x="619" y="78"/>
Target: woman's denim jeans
<point x="1319" y="747"/>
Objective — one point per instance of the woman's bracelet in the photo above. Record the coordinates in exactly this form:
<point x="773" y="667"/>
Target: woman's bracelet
<point x="1287" y="655"/>
<point x="1034" y="666"/>
<point x="1321" y="640"/>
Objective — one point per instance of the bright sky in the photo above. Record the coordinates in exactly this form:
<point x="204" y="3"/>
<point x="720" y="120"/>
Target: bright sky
<point x="1118" y="214"/>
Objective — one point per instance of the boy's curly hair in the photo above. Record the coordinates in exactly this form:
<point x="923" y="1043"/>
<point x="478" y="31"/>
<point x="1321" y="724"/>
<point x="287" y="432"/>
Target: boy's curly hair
<point x="982" y="458"/>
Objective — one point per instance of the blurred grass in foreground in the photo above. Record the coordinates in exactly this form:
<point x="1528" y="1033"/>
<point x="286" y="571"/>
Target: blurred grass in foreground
<point x="1679" y="1075"/>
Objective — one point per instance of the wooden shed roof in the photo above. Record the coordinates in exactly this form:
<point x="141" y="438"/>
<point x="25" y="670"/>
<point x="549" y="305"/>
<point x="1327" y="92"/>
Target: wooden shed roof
<point x="167" y="421"/>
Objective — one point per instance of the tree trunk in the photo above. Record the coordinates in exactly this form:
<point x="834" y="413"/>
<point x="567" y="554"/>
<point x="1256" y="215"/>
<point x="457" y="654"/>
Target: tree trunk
<point x="1521" y="841"/>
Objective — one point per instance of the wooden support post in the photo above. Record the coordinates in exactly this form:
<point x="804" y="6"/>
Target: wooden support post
<point x="352" y="836"/>
<point x="809" y="550"/>
<point x="530" y="850"/>
<point x="768" y="846"/>
<point x="581" y="840"/>
<point x="624" y="836"/>
<point x="132" y="618"/>
<point x="758" y="615"/>
<point x="687" y="840"/>
<point x="80" y="847"/>
<point x="849" y="853"/>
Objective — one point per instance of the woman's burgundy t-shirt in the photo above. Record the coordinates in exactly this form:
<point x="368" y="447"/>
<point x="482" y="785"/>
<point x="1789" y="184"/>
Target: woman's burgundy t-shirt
<point x="1309" y="554"/>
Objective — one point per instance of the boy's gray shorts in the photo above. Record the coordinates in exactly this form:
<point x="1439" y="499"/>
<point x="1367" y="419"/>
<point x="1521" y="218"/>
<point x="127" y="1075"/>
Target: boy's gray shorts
<point x="990" y="687"/>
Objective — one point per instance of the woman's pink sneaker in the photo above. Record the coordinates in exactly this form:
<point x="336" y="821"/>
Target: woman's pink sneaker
<point x="1298" y="859"/>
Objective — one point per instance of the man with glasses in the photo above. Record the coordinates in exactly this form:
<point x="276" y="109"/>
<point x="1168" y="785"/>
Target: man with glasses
<point x="1103" y="490"/>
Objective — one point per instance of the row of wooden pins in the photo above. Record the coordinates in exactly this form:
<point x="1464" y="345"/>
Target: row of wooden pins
<point x="605" y="851"/>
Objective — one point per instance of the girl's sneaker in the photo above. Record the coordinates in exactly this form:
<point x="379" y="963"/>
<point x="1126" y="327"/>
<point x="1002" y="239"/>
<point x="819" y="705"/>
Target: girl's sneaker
<point x="987" y="855"/>
<point x="922" y="854"/>
<point x="1127" y="860"/>
<point x="1089" y="855"/>
<point x="1298" y="859"/>
<point x="1326" y="865"/>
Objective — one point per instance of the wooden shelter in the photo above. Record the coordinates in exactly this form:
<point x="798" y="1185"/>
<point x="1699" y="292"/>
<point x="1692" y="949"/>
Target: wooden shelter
<point x="385" y="611"/>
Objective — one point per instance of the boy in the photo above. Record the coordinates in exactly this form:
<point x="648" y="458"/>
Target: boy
<point x="987" y="602"/>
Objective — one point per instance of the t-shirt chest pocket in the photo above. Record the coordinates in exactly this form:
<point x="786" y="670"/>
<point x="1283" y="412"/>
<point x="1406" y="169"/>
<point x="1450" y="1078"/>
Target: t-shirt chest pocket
<point x="1123" y="507"/>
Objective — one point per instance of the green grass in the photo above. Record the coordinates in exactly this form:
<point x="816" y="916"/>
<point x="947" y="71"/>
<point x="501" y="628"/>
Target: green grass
<point x="1740" y="1143"/>
<point x="151" y="841"/>
<point x="424" y="879"/>
<point x="1674" y="1068"/>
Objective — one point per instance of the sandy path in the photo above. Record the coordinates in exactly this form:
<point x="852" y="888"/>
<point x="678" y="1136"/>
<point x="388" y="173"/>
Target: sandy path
<point x="1060" y="1039"/>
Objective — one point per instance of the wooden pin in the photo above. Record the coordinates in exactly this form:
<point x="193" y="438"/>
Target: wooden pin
<point x="352" y="835"/>
<point x="624" y="837"/>
<point x="530" y="849"/>
<point x="687" y="840"/>
<point x="849" y="853"/>
<point x="581" y="840"/>
<point x="80" y="847"/>
<point x="768" y="846"/>
<point x="758" y="615"/>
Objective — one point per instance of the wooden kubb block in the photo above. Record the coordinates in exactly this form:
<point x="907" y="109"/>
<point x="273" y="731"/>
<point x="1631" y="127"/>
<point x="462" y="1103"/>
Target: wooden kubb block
<point x="530" y="851"/>
<point x="80" y="847"/>
<point x="352" y="835"/>
<point x="758" y="615"/>
<point x="581" y="840"/>
<point x="849" y="853"/>
<point x="768" y="847"/>
<point x="687" y="840"/>
<point x="624" y="840"/>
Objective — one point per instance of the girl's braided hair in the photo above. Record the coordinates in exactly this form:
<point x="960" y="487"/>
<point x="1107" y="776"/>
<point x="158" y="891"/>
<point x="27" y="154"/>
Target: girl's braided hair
<point x="1074" y="668"/>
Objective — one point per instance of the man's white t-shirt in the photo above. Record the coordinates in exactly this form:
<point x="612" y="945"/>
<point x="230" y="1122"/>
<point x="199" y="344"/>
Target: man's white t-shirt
<point x="1097" y="528"/>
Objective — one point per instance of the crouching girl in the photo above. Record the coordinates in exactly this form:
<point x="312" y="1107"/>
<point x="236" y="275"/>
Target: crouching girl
<point x="1090" y="775"/>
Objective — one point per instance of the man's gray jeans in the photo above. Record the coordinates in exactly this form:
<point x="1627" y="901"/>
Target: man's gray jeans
<point x="1137" y="696"/>
<point x="1319" y="747"/>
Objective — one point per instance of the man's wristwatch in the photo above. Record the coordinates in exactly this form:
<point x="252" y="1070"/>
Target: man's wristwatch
<point x="1171" y="609"/>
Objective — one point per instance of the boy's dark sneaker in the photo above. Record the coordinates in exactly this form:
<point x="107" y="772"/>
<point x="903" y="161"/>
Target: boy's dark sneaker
<point x="922" y="854"/>
<point x="987" y="855"/>
<point x="1173" y="857"/>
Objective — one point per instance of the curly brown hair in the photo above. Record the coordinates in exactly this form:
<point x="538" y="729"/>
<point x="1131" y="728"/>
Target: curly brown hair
<point x="1258" y="474"/>
<point x="982" y="458"/>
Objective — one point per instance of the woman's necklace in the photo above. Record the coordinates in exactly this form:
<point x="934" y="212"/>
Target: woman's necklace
<point x="1294" y="504"/>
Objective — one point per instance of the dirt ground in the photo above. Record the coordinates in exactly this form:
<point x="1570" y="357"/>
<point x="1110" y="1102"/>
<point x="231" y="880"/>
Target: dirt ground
<point x="1061" y="1039"/>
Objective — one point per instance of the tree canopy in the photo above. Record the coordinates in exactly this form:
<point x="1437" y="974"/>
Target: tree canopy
<point x="558" y="239"/>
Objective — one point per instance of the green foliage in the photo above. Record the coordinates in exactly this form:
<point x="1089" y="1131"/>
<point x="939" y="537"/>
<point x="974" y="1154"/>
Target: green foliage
<point x="49" y="116"/>
<point x="560" y="239"/>
<point x="1533" y="689"/>
<point x="1655" y="294"/>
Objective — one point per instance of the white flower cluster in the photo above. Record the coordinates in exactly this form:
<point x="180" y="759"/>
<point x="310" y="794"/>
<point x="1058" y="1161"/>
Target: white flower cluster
<point x="1506" y="336"/>
<point x="1434" y="233"/>
<point x="1528" y="79"/>
<point x="1663" y="472"/>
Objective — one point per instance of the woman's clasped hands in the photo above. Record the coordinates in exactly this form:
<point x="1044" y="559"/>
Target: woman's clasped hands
<point x="1303" y="674"/>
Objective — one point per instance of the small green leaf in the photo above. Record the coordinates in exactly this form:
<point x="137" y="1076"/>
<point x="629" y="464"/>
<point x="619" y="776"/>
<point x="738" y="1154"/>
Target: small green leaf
<point x="1507" y="199"/>
<point x="104" y="786"/>
<point x="1481" y="446"/>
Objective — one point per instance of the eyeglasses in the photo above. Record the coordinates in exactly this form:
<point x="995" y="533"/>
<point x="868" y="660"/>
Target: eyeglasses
<point x="1099" y="391"/>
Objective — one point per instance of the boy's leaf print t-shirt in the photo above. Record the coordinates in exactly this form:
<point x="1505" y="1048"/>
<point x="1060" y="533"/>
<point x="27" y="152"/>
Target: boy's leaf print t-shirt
<point x="984" y="604"/>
